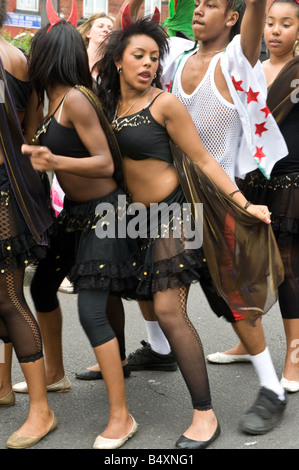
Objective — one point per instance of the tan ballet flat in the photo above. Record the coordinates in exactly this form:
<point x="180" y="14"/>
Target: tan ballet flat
<point x="63" y="385"/>
<point x="17" y="441"/>
<point x="104" y="443"/>
<point x="8" y="400"/>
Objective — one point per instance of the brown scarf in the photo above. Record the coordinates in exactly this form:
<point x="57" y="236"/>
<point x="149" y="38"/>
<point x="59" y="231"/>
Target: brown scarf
<point x="241" y="251"/>
<point x="281" y="93"/>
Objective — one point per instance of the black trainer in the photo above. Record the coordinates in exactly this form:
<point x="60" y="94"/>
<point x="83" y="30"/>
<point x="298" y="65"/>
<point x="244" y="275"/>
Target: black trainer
<point x="264" y="414"/>
<point x="146" y="359"/>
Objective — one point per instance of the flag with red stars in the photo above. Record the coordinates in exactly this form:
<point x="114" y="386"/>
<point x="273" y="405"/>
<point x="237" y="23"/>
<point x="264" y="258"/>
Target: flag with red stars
<point x="262" y="144"/>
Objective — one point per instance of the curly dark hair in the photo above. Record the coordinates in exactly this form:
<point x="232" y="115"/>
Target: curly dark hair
<point x="113" y="48"/>
<point x="3" y="12"/>
<point x="58" y="56"/>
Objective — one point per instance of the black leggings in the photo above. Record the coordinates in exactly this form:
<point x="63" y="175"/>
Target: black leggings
<point x="48" y="276"/>
<point x="288" y="292"/>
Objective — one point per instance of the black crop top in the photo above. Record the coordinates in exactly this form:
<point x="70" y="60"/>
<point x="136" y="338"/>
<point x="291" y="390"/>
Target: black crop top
<point x="140" y="137"/>
<point x="63" y="140"/>
<point x="20" y="91"/>
<point x="60" y="139"/>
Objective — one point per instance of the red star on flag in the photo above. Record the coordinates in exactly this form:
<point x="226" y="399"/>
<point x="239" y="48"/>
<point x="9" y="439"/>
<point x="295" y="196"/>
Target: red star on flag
<point x="266" y="110"/>
<point x="252" y="95"/>
<point x="260" y="128"/>
<point x="169" y="86"/>
<point x="237" y="85"/>
<point x="259" y="153"/>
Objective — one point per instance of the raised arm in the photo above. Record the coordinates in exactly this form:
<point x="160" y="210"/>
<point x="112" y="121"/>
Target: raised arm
<point x="252" y="27"/>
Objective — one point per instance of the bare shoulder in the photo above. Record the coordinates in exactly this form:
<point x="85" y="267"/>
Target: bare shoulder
<point x="166" y="101"/>
<point x="14" y="61"/>
<point x="78" y="107"/>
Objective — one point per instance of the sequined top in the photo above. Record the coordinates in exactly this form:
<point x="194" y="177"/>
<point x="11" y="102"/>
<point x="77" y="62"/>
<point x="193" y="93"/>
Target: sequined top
<point x="140" y="137"/>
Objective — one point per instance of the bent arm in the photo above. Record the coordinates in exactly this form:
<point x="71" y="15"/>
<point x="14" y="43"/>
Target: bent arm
<point x="182" y="131"/>
<point x="252" y="28"/>
<point x="79" y="114"/>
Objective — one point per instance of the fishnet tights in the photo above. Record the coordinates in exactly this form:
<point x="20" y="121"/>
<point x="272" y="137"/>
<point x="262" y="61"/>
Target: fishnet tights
<point x="170" y="309"/>
<point x="17" y="323"/>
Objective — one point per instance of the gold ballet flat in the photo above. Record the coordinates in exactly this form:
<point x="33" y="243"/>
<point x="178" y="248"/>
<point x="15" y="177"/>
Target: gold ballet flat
<point x="8" y="400"/>
<point x="17" y="441"/>
<point x="63" y="385"/>
<point x="104" y="443"/>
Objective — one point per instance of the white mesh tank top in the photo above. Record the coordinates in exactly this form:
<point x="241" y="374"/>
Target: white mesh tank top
<point x="216" y="120"/>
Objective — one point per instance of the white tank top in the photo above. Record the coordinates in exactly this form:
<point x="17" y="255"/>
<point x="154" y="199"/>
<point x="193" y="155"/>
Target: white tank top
<point x="216" y="120"/>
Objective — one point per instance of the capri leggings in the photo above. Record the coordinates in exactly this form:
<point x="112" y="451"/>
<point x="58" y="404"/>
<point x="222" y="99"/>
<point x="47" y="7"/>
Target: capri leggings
<point x="288" y="292"/>
<point x="92" y="303"/>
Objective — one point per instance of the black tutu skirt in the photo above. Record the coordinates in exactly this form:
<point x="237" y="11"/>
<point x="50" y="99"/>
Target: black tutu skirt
<point x="17" y="246"/>
<point x="281" y="195"/>
<point x="106" y="258"/>
<point x="165" y="262"/>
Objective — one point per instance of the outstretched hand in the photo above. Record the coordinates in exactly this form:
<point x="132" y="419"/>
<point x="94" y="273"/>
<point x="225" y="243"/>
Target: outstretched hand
<point x="261" y="212"/>
<point x="42" y="159"/>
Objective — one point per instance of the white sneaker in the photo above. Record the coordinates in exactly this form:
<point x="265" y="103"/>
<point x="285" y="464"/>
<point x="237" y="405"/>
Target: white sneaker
<point x="221" y="358"/>
<point x="289" y="385"/>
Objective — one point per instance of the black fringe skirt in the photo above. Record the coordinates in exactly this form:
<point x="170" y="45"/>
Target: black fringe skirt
<point x="106" y="258"/>
<point x="281" y="195"/>
<point x="165" y="260"/>
<point x="17" y="246"/>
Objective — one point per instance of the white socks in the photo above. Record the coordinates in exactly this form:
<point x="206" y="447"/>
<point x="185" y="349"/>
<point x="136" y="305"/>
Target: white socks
<point x="156" y="337"/>
<point x="266" y="373"/>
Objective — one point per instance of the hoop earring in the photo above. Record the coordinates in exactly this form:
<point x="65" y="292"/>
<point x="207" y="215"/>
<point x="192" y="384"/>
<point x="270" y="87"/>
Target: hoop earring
<point x="296" y="48"/>
<point x="119" y="70"/>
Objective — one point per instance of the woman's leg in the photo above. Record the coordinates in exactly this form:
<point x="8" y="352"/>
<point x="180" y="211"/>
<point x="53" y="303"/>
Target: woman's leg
<point x="289" y="306"/>
<point x="44" y="286"/>
<point x="5" y="367"/>
<point x="170" y="309"/>
<point x="92" y="306"/>
<point x="24" y="333"/>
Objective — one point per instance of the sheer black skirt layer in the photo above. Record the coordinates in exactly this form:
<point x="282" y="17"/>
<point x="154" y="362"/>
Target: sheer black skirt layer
<point x="17" y="247"/>
<point x="281" y="195"/>
<point x="17" y="250"/>
<point x="165" y="262"/>
<point x="106" y="258"/>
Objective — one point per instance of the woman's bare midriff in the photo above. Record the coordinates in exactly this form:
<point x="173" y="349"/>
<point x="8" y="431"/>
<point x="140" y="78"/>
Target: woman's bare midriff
<point x="150" y="181"/>
<point x="80" y="189"/>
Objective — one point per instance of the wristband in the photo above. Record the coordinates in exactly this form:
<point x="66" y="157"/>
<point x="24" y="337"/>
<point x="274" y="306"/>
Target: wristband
<point x="234" y="192"/>
<point x="248" y="203"/>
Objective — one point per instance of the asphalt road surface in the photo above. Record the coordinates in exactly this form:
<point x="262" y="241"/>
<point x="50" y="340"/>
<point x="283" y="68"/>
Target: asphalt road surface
<point x="159" y="401"/>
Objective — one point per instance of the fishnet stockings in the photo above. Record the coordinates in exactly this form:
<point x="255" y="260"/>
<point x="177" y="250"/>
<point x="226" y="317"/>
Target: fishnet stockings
<point x="16" y="319"/>
<point x="171" y="312"/>
<point x="17" y="323"/>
